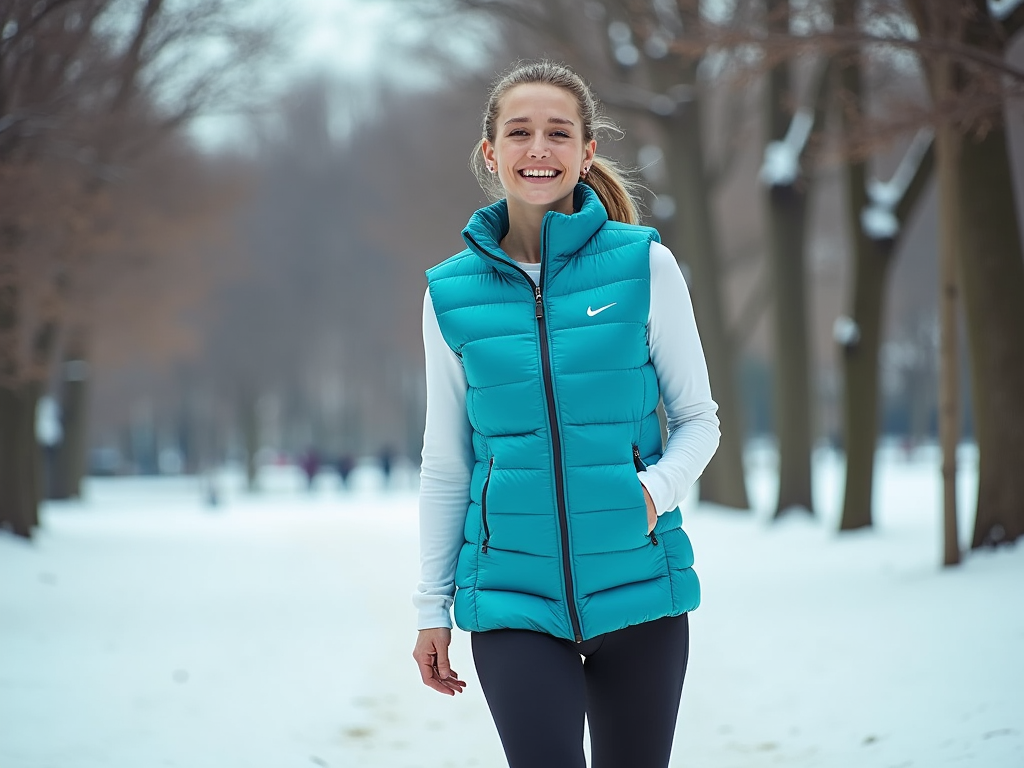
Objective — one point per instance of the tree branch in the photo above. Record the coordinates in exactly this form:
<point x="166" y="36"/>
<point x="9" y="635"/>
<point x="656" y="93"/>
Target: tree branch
<point x="919" y="181"/>
<point x="34" y="20"/>
<point x="635" y="99"/>
<point x="131" y="62"/>
<point x="783" y="159"/>
<point x="841" y="40"/>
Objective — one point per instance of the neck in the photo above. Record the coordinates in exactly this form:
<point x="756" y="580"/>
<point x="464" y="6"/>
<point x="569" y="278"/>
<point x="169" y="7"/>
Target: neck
<point x="522" y="243"/>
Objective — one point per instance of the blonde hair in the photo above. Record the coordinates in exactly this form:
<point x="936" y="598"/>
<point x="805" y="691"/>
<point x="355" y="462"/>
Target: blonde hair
<point x="616" y="192"/>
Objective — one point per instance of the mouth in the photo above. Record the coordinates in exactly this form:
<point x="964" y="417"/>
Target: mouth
<point x="539" y="174"/>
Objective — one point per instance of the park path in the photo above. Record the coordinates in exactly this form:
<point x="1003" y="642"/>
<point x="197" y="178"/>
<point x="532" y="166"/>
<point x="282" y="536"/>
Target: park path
<point x="143" y="629"/>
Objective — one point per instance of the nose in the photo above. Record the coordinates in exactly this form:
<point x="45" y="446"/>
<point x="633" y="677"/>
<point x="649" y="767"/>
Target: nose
<point x="539" y="145"/>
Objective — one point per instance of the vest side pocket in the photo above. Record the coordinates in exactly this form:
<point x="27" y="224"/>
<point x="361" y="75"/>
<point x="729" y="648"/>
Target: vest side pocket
<point x="483" y="507"/>
<point x="638" y="463"/>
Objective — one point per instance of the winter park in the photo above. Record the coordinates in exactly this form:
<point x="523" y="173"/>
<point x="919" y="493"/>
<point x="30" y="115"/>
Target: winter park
<point x="235" y="421"/>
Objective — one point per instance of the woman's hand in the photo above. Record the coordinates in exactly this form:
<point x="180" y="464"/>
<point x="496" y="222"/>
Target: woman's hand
<point x="652" y="513"/>
<point x="431" y="655"/>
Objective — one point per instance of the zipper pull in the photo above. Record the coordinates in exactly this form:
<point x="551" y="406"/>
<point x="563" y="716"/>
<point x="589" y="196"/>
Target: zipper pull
<point x="484" y="547"/>
<point x="637" y="461"/>
<point x="540" y="303"/>
<point x="654" y="538"/>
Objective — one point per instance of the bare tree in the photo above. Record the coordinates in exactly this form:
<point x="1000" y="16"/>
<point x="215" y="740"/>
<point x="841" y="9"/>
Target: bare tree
<point x="991" y="264"/>
<point x="86" y="86"/>
<point x="788" y="190"/>
<point x="877" y="213"/>
<point x="970" y="80"/>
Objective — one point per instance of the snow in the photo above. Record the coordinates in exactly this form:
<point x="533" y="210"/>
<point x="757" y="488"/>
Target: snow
<point x="845" y="331"/>
<point x="878" y="220"/>
<point x="628" y="55"/>
<point x="1001" y="9"/>
<point x="49" y="431"/>
<point x="143" y="628"/>
<point x="781" y="164"/>
<point x="670" y="22"/>
<point x="658" y="45"/>
<point x="619" y="32"/>
<point x="879" y="223"/>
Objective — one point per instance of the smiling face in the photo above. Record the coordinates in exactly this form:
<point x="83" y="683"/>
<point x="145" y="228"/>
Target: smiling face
<point x="538" y="149"/>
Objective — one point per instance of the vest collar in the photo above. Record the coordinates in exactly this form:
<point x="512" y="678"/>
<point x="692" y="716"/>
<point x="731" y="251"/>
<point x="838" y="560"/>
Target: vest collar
<point x="565" y="234"/>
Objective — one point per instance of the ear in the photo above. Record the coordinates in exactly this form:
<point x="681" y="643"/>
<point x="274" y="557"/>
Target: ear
<point x="589" y="150"/>
<point x="487" y="150"/>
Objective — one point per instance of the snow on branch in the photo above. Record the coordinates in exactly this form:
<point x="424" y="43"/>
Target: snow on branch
<point x="878" y="220"/>
<point x="781" y="164"/>
<point x="666" y="104"/>
<point x="846" y="332"/>
<point x="1001" y="9"/>
<point x="670" y="23"/>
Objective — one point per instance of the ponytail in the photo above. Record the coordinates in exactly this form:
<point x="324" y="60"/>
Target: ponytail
<point x="615" y="191"/>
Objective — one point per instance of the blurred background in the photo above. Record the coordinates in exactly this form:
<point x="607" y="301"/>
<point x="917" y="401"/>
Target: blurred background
<point x="214" y="221"/>
<point x="215" y="217"/>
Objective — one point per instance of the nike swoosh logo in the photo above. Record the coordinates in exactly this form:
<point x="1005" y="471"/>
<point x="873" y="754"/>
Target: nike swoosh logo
<point x="592" y="312"/>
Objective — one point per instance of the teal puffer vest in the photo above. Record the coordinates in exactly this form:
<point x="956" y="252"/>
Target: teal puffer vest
<point x="562" y="397"/>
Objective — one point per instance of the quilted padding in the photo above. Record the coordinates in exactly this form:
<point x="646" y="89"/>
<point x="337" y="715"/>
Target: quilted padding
<point x="576" y="421"/>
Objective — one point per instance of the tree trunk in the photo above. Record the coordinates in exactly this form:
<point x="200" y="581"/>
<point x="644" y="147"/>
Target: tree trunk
<point x="793" y="398"/>
<point x="860" y="355"/>
<point x="72" y="454"/>
<point x="860" y="374"/>
<point x="17" y="477"/>
<point x="949" y="364"/>
<point x="992" y="274"/>
<point x="31" y="453"/>
<point x="787" y="218"/>
<point x="14" y="501"/>
<point x="694" y="240"/>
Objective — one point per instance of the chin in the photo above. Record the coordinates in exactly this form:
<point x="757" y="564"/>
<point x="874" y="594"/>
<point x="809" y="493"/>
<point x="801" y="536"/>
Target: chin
<point x="550" y="199"/>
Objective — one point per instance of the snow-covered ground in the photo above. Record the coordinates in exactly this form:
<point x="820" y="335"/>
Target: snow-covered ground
<point x="145" y="629"/>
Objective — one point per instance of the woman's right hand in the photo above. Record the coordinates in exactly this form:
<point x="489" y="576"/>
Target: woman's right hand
<point x="431" y="655"/>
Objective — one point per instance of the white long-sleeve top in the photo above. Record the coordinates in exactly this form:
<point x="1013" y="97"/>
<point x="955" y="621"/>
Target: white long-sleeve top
<point x="447" y="460"/>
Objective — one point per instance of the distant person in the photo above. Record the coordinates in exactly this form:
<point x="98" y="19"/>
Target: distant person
<point x="387" y="462"/>
<point x="310" y="464"/>
<point x="345" y="464"/>
<point x="211" y="490"/>
<point x="548" y="505"/>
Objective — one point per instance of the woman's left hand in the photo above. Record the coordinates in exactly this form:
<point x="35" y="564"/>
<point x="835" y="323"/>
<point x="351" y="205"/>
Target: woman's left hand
<point x="652" y="513"/>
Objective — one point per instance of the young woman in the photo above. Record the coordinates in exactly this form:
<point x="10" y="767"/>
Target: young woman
<point x="548" y="506"/>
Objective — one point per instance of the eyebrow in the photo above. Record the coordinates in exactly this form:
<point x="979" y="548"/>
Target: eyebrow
<point x="558" y="120"/>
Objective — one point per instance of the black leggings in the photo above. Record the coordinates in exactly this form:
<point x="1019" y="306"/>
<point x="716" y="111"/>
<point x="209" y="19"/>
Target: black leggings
<point x="538" y="690"/>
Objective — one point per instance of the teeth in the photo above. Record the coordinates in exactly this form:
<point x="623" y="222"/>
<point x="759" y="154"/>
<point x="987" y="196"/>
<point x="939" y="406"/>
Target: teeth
<point x="530" y="172"/>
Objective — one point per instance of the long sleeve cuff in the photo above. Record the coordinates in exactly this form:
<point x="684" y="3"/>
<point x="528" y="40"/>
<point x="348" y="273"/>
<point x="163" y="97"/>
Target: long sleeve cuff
<point x="432" y="611"/>
<point x="659" y="489"/>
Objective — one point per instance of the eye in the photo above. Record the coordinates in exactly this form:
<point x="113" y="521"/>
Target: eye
<point x="517" y="132"/>
<point x="560" y="134"/>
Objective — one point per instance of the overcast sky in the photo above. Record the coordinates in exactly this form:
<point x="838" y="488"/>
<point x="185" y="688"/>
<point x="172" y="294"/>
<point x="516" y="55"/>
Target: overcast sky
<point x="341" y="35"/>
<point x="359" y="42"/>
